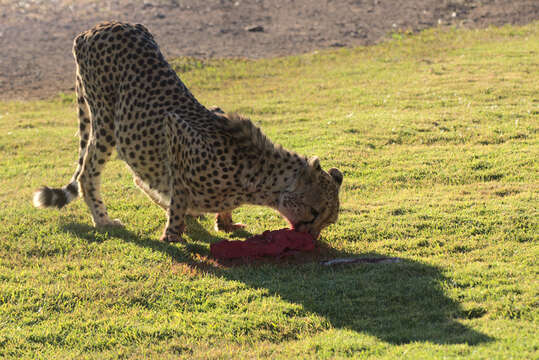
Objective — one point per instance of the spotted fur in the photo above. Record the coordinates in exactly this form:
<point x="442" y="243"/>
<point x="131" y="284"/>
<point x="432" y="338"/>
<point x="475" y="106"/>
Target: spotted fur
<point x="185" y="157"/>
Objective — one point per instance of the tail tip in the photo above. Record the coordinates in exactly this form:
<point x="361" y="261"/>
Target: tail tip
<point x="42" y="197"/>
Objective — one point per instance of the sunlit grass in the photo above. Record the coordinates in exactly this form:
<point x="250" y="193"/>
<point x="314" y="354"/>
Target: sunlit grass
<point x="436" y="135"/>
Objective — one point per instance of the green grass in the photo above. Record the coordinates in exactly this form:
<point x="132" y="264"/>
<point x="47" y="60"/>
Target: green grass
<point x="437" y="137"/>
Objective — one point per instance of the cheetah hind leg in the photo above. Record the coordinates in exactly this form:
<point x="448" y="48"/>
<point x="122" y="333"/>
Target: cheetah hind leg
<point x="98" y="151"/>
<point x="223" y="222"/>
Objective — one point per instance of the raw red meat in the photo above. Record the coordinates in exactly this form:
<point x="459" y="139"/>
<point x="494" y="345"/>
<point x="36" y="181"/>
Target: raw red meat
<point x="269" y="243"/>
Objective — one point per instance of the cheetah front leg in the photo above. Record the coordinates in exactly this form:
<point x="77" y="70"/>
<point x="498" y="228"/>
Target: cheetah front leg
<point x="175" y="214"/>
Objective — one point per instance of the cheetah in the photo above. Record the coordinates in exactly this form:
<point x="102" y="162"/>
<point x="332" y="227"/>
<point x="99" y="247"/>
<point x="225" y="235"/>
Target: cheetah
<point x="187" y="158"/>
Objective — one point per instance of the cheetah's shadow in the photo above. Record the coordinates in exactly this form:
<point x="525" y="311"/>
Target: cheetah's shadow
<point x="398" y="303"/>
<point x="194" y="229"/>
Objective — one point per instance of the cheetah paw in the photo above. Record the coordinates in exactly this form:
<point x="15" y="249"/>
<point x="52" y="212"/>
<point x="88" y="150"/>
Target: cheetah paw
<point x="229" y="228"/>
<point x="110" y="222"/>
<point x="171" y="238"/>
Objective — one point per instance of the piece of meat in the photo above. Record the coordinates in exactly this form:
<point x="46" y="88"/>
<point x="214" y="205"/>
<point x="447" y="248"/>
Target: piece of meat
<point x="269" y="243"/>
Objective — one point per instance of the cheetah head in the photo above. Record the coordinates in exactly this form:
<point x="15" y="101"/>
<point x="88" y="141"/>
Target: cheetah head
<point x="313" y="201"/>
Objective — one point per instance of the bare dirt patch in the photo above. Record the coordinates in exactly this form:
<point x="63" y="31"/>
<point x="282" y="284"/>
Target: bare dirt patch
<point x="36" y="35"/>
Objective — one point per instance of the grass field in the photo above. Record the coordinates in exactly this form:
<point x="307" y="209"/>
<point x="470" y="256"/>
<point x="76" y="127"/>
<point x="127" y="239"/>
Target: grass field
<point x="436" y="135"/>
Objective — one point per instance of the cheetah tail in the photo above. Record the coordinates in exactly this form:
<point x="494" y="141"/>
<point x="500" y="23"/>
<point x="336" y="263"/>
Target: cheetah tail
<point x="47" y="197"/>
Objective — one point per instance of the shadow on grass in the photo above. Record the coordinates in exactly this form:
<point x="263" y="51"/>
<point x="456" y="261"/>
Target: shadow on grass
<point x="398" y="303"/>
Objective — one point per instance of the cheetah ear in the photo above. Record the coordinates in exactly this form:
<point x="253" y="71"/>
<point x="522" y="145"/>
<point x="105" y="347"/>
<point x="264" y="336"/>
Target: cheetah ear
<point x="336" y="175"/>
<point x="314" y="162"/>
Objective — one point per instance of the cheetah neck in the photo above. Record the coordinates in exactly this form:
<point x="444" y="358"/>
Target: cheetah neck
<point x="266" y="169"/>
<point x="276" y="173"/>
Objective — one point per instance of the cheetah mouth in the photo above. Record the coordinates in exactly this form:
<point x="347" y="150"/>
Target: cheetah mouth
<point x="306" y="224"/>
<point x="303" y="227"/>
